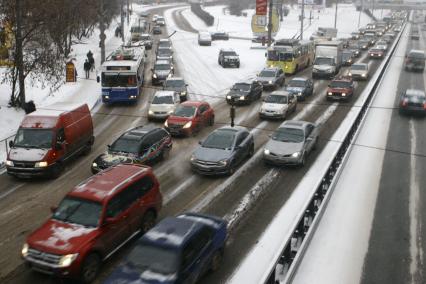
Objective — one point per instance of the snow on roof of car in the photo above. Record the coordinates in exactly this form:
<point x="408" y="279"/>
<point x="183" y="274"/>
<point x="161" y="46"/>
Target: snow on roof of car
<point x="164" y="93"/>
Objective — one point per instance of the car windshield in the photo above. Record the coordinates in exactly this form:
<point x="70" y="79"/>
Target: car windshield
<point x="164" y="51"/>
<point x="324" y="61"/>
<point x="185" y="111"/>
<point x="220" y="139"/>
<point x="286" y="134"/>
<point x="276" y="99"/>
<point x="340" y="84"/>
<point x="34" y="138"/>
<point x="157" y="259"/>
<point x="417" y="55"/>
<point x="358" y="67"/>
<point x="159" y="100"/>
<point x="174" y="83"/>
<point x="267" y="73"/>
<point x="229" y="53"/>
<point x="126" y="145"/>
<point x="162" y="67"/>
<point x="241" y="87"/>
<point x="376" y="50"/>
<point x="78" y="211"/>
<point x="346" y="55"/>
<point x="118" y="80"/>
<point x="297" y="83"/>
<point x="164" y="44"/>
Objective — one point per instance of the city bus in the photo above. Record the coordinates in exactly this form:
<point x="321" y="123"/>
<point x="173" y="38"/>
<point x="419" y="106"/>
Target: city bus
<point x="122" y="75"/>
<point x="291" y="55"/>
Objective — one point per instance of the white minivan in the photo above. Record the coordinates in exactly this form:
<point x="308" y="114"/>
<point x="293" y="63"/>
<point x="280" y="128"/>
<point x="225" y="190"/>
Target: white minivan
<point x="163" y="104"/>
<point x="204" y="38"/>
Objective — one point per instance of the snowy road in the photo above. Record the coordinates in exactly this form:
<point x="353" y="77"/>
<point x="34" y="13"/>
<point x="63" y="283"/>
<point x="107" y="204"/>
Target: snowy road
<point x="28" y="205"/>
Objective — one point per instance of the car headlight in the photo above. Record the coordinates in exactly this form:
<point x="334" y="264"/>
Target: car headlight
<point x="329" y="93"/>
<point x="154" y="76"/>
<point x="133" y="97"/>
<point x="94" y="165"/>
<point x="170" y="112"/>
<point x="66" y="260"/>
<point x="343" y="94"/>
<point x="150" y="112"/>
<point x="270" y="82"/>
<point x="188" y="124"/>
<point x="363" y="75"/>
<point x="166" y="124"/>
<point x="106" y="97"/>
<point x="9" y="163"/>
<point x="40" y="165"/>
<point x="266" y="152"/>
<point x="170" y="75"/>
<point x="299" y="93"/>
<point x="349" y="74"/>
<point x="223" y="162"/>
<point x="183" y="93"/>
<point x="192" y="158"/>
<point x="228" y="97"/>
<point x="242" y="98"/>
<point x="295" y="155"/>
<point x="24" y="250"/>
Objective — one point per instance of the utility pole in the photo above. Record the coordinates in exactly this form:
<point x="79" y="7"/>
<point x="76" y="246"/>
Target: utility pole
<point x="302" y="16"/>
<point x="19" y="53"/>
<point x="335" y="15"/>
<point x="128" y="12"/>
<point x="102" y="35"/>
<point x="270" y="23"/>
<point x="360" y="11"/>
<point x="122" y="20"/>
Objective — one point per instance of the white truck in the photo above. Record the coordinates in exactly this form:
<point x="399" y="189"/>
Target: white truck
<point x="328" y="59"/>
<point x="324" y="34"/>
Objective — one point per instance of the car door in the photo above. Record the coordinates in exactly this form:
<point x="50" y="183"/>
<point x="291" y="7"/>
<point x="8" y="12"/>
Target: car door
<point x="281" y="77"/>
<point x="241" y="146"/>
<point x="292" y="101"/>
<point x="115" y="228"/>
<point x="142" y="200"/>
<point x="309" y="139"/>
<point x="190" y="270"/>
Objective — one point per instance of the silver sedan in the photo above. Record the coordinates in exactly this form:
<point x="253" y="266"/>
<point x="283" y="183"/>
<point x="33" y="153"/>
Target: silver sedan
<point x="291" y="143"/>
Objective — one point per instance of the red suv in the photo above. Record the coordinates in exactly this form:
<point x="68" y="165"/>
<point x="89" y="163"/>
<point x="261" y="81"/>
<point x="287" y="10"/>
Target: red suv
<point x="341" y="88"/>
<point x="94" y="220"/>
<point x="189" y="117"/>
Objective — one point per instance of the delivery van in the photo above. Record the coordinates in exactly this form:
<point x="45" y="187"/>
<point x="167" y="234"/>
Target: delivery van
<point x="48" y="138"/>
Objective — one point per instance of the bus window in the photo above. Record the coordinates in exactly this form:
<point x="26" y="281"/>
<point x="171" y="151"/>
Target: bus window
<point x="273" y="55"/>
<point x="286" y="56"/>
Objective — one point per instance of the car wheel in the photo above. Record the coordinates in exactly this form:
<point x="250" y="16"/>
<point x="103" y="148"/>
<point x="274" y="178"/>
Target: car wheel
<point x="165" y="153"/>
<point x="211" y="121"/>
<point x="90" y="268"/>
<point x="148" y="221"/>
<point x="57" y="170"/>
<point x="216" y="260"/>
<point x="231" y="170"/>
<point x="251" y="150"/>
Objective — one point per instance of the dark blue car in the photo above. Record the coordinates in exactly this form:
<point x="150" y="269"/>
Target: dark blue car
<point x="177" y="250"/>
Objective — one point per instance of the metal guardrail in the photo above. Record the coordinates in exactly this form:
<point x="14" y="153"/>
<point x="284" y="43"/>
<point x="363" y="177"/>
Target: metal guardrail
<point x="302" y="232"/>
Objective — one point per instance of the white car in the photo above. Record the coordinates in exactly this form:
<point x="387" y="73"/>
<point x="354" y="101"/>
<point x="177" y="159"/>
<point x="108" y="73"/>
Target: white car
<point x="204" y="38"/>
<point x="278" y="105"/>
<point x="160" y="21"/>
<point x="359" y="71"/>
<point x="382" y="45"/>
<point x="163" y="104"/>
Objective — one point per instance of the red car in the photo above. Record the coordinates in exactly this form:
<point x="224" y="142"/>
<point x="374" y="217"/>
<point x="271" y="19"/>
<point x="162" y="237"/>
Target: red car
<point x="94" y="220"/>
<point x="189" y="117"/>
<point x="341" y="88"/>
<point x="376" y="53"/>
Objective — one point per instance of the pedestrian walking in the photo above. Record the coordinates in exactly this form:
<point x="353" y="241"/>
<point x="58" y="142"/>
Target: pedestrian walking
<point x="92" y="63"/>
<point x="86" y="68"/>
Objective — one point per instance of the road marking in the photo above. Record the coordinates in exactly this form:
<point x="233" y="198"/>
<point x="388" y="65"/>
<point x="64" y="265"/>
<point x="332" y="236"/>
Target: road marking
<point x="13" y="189"/>
<point x="416" y="250"/>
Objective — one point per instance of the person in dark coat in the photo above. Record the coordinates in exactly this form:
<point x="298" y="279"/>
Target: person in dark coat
<point x="86" y="68"/>
<point x="92" y="63"/>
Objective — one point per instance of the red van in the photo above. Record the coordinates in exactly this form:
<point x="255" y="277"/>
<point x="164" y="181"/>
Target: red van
<point x="93" y="221"/>
<point x="48" y="138"/>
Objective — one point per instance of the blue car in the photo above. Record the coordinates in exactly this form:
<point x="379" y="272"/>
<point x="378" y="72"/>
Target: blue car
<point x="177" y="250"/>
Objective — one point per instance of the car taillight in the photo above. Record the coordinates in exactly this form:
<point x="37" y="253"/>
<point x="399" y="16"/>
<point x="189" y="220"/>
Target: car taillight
<point x="404" y="102"/>
<point x="424" y="105"/>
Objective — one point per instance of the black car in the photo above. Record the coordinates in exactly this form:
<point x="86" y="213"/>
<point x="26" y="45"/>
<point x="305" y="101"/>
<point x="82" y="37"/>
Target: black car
<point x="271" y="77"/>
<point x="156" y="30"/>
<point x="162" y="70"/>
<point x="412" y="102"/>
<point x="222" y="151"/>
<point x="220" y="35"/>
<point x="363" y="44"/>
<point x="301" y="87"/>
<point x="415" y="60"/>
<point x="347" y="57"/>
<point x="140" y="145"/>
<point x="244" y="92"/>
<point x="228" y="58"/>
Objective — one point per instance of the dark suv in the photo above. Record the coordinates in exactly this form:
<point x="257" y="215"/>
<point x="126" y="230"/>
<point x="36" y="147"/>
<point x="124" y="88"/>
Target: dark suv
<point x="244" y="92"/>
<point x="415" y="60"/>
<point x="228" y="58"/>
<point x="140" y="145"/>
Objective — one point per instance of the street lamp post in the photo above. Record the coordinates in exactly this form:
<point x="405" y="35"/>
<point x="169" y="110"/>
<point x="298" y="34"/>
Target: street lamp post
<point x="335" y="15"/>
<point x="302" y="16"/>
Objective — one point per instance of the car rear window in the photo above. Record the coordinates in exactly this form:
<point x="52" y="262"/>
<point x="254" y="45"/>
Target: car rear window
<point x="417" y="55"/>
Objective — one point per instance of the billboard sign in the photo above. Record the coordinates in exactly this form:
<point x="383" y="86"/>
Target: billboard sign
<point x="261" y="7"/>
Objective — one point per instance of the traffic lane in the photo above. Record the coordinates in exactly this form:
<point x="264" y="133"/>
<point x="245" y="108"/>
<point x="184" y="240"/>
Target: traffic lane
<point x="255" y="221"/>
<point x="388" y="256"/>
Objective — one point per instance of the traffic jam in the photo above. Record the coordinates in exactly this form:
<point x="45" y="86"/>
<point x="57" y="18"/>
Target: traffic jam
<point x="122" y="202"/>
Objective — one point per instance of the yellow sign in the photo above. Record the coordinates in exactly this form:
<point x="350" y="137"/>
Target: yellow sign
<point x="259" y="24"/>
<point x="70" y="73"/>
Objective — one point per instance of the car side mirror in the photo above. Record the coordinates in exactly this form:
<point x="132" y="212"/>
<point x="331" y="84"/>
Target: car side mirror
<point x="53" y="209"/>
<point x="200" y="142"/>
<point x="98" y="79"/>
<point x="309" y="138"/>
<point x="11" y="143"/>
